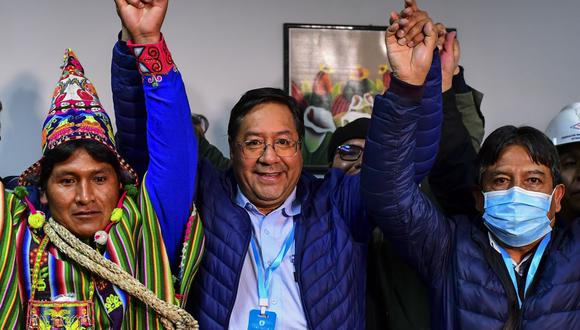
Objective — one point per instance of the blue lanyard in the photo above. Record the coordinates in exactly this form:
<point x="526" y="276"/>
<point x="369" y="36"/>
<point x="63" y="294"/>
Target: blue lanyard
<point x="532" y="269"/>
<point x="264" y="274"/>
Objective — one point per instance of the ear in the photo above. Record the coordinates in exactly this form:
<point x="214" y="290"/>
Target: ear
<point x="231" y="145"/>
<point x="43" y="198"/>
<point x="231" y="152"/>
<point x="557" y="195"/>
<point x="478" y="197"/>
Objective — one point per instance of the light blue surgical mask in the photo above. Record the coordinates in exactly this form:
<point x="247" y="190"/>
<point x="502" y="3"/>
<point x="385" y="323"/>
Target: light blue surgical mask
<point x="516" y="216"/>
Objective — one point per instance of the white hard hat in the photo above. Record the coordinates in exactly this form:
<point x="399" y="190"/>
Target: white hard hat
<point x="565" y="127"/>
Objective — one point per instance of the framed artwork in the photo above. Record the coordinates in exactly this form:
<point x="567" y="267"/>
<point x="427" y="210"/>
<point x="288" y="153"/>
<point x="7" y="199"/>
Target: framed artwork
<point x="334" y="72"/>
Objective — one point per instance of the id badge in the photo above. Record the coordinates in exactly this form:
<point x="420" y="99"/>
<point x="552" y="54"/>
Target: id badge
<point x="258" y="321"/>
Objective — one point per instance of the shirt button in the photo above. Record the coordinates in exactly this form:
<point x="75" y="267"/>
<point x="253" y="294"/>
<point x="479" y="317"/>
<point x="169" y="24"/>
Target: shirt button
<point x="274" y="302"/>
<point x="266" y="231"/>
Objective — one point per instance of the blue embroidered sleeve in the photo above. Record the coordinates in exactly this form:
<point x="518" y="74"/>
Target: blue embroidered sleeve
<point x="171" y="142"/>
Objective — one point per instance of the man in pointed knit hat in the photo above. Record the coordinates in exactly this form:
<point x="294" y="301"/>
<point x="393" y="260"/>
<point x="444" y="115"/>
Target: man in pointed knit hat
<point x="98" y="260"/>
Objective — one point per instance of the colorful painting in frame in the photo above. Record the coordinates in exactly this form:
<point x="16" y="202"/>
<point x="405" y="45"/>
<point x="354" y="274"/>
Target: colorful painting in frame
<point x="334" y="72"/>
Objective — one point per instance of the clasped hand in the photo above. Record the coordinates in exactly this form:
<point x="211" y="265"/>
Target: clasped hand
<point x="411" y="39"/>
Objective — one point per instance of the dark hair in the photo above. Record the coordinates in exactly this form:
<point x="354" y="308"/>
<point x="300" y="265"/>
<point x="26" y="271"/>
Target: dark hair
<point x="97" y="150"/>
<point x="259" y="96"/>
<point x="537" y="144"/>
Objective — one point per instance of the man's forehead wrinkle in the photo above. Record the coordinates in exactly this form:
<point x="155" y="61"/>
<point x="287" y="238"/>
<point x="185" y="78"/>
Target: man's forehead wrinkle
<point x="264" y="133"/>
<point x="536" y="171"/>
<point x="503" y="172"/>
<point x="511" y="167"/>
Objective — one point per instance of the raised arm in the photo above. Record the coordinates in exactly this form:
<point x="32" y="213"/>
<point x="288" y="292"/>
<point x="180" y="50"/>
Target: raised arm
<point x="131" y="114"/>
<point x="468" y="100"/>
<point x="469" y="105"/>
<point x="170" y="178"/>
<point x="452" y="176"/>
<point x="410" y="32"/>
<point x="392" y="197"/>
<point x="130" y="110"/>
<point x="429" y="124"/>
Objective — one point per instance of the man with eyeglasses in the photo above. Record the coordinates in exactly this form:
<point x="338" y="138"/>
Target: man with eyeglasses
<point x="347" y="145"/>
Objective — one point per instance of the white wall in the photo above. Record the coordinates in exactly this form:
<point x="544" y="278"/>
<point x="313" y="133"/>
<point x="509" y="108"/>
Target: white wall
<point x="520" y="53"/>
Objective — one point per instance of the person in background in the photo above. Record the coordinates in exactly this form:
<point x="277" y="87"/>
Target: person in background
<point x="467" y="100"/>
<point x="564" y="131"/>
<point x="347" y="145"/>
<point x="206" y="149"/>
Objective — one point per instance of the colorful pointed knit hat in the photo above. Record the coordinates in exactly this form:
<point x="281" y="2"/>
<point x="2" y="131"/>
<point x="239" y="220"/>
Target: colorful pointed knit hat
<point x="75" y="114"/>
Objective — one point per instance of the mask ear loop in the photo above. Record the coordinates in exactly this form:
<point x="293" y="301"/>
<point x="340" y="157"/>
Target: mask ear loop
<point x="551" y="196"/>
<point x="553" y="191"/>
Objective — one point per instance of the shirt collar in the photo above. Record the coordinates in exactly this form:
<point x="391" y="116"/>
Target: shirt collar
<point x="291" y="206"/>
<point x="517" y="267"/>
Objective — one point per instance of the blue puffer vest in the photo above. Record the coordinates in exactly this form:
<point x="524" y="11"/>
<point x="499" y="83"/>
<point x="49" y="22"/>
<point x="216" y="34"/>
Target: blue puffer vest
<point x="330" y="250"/>
<point x="470" y="287"/>
<point x="481" y="295"/>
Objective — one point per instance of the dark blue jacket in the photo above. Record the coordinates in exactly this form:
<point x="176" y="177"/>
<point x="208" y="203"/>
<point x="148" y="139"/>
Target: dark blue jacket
<point x="470" y="286"/>
<point x="331" y="232"/>
<point x="331" y="236"/>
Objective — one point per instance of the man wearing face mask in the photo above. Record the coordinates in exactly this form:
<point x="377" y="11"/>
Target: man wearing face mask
<point x="513" y="266"/>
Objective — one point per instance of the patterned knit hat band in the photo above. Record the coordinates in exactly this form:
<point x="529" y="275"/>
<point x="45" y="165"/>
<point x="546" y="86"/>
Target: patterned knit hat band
<point x="75" y="113"/>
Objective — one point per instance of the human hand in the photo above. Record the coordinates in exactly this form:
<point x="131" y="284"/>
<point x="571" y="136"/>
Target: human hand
<point x="411" y="64"/>
<point x="449" y="53"/>
<point x="411" y="21"/>
<point x="142" y="18"/>
<point x="442" y="32"/>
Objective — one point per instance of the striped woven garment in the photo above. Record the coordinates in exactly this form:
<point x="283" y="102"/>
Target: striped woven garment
<point x="135" y="244"/>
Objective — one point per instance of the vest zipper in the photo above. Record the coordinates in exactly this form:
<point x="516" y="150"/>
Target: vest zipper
<point x="246" y="246"/>
<point x="298" y="268"/>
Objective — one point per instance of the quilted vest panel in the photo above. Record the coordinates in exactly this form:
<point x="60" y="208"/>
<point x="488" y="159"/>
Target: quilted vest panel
<point x="481" y="299"/>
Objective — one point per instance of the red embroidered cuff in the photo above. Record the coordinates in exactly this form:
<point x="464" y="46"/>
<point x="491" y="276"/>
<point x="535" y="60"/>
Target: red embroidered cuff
<point x="152" y="59"/>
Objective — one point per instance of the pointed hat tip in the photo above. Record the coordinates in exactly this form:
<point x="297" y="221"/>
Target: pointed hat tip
<point x="71" y="59"/>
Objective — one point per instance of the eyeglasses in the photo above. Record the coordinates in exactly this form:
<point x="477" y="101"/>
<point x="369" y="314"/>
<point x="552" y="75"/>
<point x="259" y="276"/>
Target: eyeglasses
<point x="254" y="149"/>
<point x="349" y="152"/>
